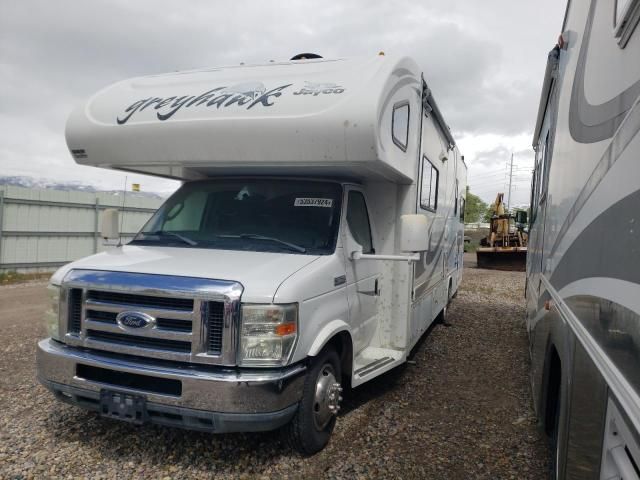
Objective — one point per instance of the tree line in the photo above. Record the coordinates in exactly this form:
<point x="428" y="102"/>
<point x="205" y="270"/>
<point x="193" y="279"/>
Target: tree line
<point x="476" y="210"/>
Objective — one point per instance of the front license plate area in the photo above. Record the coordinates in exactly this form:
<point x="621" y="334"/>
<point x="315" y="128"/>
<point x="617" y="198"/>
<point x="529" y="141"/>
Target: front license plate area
<point x="123" y="406"/>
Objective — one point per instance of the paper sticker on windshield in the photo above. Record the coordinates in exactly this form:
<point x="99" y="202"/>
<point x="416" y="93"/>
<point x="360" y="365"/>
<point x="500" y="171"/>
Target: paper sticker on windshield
<point x="313" y="202"/>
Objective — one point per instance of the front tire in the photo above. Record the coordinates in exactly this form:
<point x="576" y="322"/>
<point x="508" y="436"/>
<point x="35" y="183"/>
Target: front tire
<point x="310" y="429"/>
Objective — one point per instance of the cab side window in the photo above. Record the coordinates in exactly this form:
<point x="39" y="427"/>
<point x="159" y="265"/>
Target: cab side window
<point x="358" y="221"/>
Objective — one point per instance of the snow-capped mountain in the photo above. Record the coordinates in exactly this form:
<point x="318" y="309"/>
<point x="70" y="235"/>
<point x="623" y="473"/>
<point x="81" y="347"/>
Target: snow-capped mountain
<point x="30" y="182"/>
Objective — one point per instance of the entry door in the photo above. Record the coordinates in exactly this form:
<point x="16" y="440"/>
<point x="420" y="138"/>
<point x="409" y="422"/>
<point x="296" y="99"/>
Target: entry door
<point x="429" y="271"/>
<point x="363" y="276"/>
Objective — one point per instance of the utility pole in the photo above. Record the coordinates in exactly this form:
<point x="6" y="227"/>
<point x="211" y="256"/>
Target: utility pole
<point x="510" y="175"/>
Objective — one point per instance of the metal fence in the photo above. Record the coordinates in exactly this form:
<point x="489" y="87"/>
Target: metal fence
<point x="41" y="229"/>
<point x="475" y="226"/>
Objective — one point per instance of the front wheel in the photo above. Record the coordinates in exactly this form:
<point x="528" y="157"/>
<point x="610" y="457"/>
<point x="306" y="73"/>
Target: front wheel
<point x="311" y="427"/>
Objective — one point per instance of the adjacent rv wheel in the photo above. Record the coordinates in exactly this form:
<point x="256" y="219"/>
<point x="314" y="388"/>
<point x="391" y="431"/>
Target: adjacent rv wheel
<point x="310" y="429"/>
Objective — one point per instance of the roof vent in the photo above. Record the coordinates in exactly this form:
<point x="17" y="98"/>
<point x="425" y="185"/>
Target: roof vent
<point x="305" y="56"/>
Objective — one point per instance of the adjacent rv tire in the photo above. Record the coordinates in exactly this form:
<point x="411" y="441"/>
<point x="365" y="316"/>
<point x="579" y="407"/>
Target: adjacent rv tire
<point x="311" y="427"/>
<point x="553" y="446"/>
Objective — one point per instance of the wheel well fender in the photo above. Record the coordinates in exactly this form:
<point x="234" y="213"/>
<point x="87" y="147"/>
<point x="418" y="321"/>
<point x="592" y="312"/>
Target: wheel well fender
<point x="337" y="334"/>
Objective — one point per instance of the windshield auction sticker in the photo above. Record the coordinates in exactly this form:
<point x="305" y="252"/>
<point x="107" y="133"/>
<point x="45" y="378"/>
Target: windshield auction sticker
<point x="313" y="202"/>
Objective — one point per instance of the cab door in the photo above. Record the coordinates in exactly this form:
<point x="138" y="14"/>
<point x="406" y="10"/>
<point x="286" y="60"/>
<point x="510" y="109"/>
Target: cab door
<point x="363" y="276"/>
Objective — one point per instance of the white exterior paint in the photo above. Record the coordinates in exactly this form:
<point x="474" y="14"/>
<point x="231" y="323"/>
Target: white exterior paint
<point x="342" y="130"/>
<point x="324" y="133"/>
<point x="260" y="273"/>
<point x="583" y="260"/>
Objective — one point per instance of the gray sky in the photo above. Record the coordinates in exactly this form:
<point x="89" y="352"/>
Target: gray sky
<point x="483" y="59"/>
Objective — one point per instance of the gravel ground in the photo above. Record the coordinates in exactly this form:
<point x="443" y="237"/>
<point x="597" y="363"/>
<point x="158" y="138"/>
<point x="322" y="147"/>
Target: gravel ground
<point x="461" y="409"/>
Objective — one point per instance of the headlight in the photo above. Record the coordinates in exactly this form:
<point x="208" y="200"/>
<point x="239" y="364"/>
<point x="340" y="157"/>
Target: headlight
<point x="268" y="334"/>
<point x="52" y="315"/>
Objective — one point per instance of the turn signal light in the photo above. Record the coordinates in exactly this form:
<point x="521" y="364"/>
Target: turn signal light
<point x="285" y="329"/>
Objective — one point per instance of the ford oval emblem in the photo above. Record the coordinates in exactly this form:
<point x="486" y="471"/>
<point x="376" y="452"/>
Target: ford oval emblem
<point x="136" y="320"/>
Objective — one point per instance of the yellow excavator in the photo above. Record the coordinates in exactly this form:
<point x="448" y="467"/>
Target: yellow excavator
<point x="505" y="248"/>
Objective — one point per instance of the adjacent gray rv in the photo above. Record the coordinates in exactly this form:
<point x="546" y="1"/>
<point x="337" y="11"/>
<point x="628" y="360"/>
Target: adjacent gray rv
<point x="583" y="270"/>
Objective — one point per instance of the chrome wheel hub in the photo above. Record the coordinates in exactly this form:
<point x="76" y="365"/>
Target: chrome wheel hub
<point x="327" y="398"/>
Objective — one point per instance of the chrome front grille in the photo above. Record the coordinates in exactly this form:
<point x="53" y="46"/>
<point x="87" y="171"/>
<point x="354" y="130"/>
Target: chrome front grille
<point x="132" y="300"/>
<point x="191" y="320"/>
<point x="138" y="341"/>
<point x="215" y="330"/>
<point x="170" y="324"/>
<point x="75" y="310"/>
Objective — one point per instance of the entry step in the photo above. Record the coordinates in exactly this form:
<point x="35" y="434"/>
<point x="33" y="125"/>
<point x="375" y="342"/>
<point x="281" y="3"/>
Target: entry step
<point x="373" y="361"/>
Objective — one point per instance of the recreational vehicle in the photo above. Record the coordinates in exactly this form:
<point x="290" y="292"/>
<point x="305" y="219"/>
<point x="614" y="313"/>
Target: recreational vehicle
<point x="583" y="271"/>
<point x="317" y="235"/>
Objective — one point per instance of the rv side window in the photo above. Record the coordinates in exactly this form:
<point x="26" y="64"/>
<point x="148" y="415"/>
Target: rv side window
<point x="358" y="221"/>
<point x="462" y="205"/>
<point x="429" y="186"/>
<point x="400" y="125"/>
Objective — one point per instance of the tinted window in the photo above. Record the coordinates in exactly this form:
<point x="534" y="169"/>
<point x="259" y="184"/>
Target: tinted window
<point x="270" y="215"/>
<point x="462" y="206"/>
<point x="400" y="125"/>
<point x="429" y="186"/>
<point x="358" y="221"/>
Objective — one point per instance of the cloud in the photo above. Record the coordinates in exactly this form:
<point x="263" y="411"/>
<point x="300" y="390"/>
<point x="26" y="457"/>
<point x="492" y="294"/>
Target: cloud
<point x="484" y="61"/>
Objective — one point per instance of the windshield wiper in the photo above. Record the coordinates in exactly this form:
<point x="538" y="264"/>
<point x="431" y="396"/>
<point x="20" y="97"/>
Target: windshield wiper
<point x="162" y="233"/>
<point x="255" y="236"/>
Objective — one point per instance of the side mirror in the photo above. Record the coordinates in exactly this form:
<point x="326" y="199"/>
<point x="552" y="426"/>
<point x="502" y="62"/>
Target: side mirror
<point x="414" y="233"/>
<point x="353" y="248"/>
<point x="110" y="224"/>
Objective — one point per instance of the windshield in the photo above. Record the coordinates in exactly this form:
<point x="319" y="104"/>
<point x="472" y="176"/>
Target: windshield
<point x="262" y="215"/>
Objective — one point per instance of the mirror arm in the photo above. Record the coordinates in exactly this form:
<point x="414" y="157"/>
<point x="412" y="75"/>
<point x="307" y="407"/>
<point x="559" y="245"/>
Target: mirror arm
<point x="398" y="258"/>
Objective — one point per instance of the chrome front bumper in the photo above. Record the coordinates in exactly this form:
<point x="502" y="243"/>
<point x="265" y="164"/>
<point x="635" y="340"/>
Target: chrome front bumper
<point x="197" y="397"/>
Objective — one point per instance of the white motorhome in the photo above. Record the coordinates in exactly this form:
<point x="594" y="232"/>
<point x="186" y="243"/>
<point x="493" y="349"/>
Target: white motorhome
<point x="583" y="271"/>
<point x="316" y="237"/>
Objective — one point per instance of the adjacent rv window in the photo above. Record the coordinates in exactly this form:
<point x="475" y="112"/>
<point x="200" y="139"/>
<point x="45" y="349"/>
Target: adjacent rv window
<point x="625" y="19"/>
<point x="540" y="178"/>
<point x="429" y="186"/>
<point x="532" y="204"/>
<point x="358" y="221"/>
<point x="400" y="125"/>
<point x="544" y="170"/>
<point x="621" y="9"/>
<point x="462" y="205"/>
